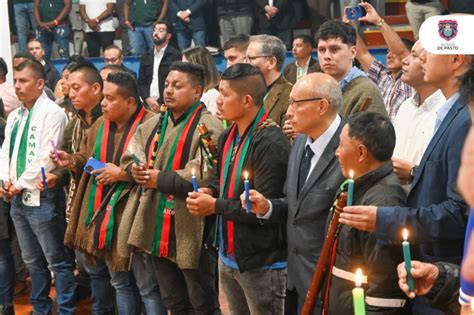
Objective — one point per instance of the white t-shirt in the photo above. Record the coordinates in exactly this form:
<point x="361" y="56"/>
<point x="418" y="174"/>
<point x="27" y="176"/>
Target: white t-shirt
<point x="94" y="8"/>
<point x="210" y="98"/>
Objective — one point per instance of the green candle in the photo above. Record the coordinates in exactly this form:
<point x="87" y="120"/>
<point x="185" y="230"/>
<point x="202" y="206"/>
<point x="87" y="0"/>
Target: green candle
<point x="358" y="295"/>
<point x="407" y="256"/>
<point x="350" y="188"/>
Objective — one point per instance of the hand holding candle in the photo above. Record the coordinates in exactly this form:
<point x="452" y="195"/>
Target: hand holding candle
<point x="407" y="256"/>
<point x="43" y="175"/>
<point x="194" y="180"/>
<point x="247" y="192"/>
<point x="350" y="188"/>
<point x="358" y="295"/>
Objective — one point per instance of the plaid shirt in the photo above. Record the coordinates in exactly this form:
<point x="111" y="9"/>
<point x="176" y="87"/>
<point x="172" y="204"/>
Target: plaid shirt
<point x="394" y="91"/>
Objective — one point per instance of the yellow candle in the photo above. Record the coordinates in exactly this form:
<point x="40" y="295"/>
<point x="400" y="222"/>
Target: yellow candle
<point x="358" y="295"/>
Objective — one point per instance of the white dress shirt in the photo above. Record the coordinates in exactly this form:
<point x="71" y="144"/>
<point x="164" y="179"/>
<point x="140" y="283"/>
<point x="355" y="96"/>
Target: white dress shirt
<point x="155" y="83"/>
<point x="317" y="146"/>
<point x="414" y="126"/>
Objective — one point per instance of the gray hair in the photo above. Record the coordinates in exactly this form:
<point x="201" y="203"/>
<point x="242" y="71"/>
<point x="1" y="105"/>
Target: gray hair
<point x="330" y="91"/>
<point x="271" y="46"/>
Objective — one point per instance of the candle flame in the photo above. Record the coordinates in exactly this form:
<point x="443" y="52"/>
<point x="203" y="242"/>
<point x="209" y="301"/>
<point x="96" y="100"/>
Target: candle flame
<point x="358" y="278"/>
<point x="405" y="234"/>
<point x="351" y="174"/>
<point x="193" y="172"/>
<point x="246" y="175"/>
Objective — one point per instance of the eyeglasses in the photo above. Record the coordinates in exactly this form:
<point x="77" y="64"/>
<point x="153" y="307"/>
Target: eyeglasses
<point x="293" y="102"/>
<point x="111" y="60"/>
<point x="252" y="58"/>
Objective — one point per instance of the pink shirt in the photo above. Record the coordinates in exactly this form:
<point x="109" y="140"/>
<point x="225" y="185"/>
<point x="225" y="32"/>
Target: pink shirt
<point x="8" y="95"/>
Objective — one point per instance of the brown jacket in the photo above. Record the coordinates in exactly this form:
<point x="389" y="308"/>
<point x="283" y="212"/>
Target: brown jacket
<point x="77" y="234"/>
<point x="290" y="70"/>
<point x="276" y="100"/>
<point x="139" y="221"/>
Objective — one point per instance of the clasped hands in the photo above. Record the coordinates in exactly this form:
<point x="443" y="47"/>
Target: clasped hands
<point x="9" y="190"/>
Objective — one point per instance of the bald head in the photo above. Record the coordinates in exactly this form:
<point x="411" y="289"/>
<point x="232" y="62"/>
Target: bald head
<point x="320" y="85"/>
<point x="314" y="102"/>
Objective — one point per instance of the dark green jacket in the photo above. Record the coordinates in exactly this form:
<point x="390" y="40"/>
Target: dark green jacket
<point x="144" y="12"/>
<point x="50" y="9"/>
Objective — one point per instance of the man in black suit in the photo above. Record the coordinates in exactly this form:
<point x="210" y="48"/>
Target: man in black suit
<point x="313" y="177"/>
<point x="154" y="66"/>
<point x="276" y="18"/>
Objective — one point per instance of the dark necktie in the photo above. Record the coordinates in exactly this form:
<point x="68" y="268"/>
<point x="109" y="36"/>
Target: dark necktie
<point x="304" y="167"/>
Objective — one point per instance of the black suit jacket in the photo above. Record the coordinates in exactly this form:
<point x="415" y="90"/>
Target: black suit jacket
<point x="145" y="72"/>
<point x="283" y="20"/>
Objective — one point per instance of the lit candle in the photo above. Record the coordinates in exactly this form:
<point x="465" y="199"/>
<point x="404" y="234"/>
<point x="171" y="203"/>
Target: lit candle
<point x="407" y="256"/>
<point x="247" y="192"/>
<point x="194" y="180"/>
<point x="43" y="175"/>
<point x="358" y="295"/>
<point x="350" y="188"/>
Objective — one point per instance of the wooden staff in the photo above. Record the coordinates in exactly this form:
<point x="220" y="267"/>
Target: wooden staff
<point x="322" y="266"/>
<point x="209" y="145"/>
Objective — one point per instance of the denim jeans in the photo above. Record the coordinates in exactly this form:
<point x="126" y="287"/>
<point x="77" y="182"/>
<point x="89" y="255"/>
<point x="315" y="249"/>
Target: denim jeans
<point x="25" y="22"/>
<point x="42" y="248"/>
<point x="254" y="292"/>
<point x="141" y="39"/>
<point x="102" y="293"/>
<point x="127" y="297"/>
<point x="7" y="273"/>
<point x="58" y="34"/>
<point x="144" y="272"/>
<point x="185" y="36"/>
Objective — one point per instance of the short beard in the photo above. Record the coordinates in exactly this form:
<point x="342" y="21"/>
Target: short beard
<point x="158" y="41"/>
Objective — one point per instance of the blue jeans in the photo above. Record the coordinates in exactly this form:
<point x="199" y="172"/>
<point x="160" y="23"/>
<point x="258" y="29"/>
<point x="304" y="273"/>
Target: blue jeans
<point x="127" y="297"/>
<point x="141" y="39"/>
<point x="42" y="248"/>
<point x="58" y="34"/>
<point x="144" y="272"/>
<point x="102" y="293"/>
<point x="7" y="273"/>
<point x="25" y="22"/>
<point x="185" y="36"/>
